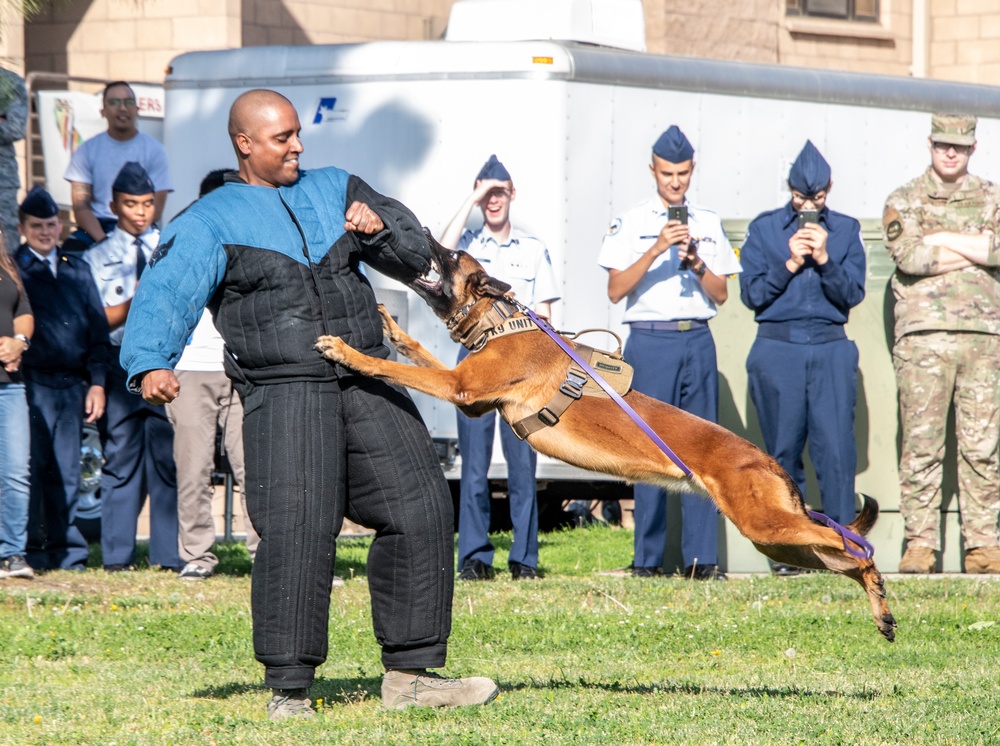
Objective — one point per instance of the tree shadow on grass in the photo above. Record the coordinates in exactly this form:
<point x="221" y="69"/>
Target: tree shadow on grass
<point x="751" y="692"/>
<point x="351" y="691"/>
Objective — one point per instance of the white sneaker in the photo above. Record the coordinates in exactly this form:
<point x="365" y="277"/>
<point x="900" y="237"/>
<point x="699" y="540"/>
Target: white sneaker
<point x="194" y="571"/>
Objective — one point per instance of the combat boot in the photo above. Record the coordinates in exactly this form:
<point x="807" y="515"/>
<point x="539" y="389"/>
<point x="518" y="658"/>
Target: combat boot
<point x="917" y="560"/>
<point x="421" y="688"/>
<point x="983" y="560"/>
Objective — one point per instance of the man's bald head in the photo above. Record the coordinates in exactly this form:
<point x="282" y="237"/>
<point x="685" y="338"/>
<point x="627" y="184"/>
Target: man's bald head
<point x="251" y="107"/>
<point x="264" y="128"/>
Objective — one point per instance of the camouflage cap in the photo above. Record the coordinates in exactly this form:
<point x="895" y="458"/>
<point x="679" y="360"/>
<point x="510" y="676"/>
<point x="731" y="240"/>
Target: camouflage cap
<point x="953" y="129"/>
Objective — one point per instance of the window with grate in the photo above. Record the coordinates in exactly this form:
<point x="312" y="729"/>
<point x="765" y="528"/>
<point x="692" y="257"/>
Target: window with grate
<point x="847" y="10"/>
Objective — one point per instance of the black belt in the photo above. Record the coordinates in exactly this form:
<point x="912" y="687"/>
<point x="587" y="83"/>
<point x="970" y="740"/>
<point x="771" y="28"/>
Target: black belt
<point x="669" y="326"/>
<point x="801" y="334"/>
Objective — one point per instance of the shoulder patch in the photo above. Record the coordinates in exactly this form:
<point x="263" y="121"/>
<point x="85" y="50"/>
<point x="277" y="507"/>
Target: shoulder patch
<point x="616" y="225"/>
<point x="160" y="251"/>
<point x="891" y="221"/>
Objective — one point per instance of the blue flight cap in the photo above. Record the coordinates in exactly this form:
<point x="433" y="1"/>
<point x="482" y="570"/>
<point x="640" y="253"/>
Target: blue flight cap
<point x="493" y="169"/>
<point x="133" y="179"/>
<point x="673" y="146"/>
<point x="39" y="204"/>
<point x="810" y="173"/>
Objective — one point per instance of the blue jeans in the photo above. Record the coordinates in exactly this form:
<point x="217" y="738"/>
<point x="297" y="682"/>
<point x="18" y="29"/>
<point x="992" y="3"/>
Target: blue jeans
<point x="15" y="450"/>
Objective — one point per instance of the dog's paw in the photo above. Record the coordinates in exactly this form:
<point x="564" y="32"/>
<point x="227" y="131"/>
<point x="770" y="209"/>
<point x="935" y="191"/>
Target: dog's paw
<point x="333" y="348"/>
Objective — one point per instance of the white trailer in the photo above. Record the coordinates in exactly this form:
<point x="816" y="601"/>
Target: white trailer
<point x="574" y="124"/>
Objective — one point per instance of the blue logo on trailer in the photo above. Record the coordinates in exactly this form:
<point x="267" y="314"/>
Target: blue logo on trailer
<point x="326" y="111"/>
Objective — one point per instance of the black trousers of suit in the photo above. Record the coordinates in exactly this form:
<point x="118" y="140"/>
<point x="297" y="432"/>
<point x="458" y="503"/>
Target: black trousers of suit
<point x="314" y="452"/>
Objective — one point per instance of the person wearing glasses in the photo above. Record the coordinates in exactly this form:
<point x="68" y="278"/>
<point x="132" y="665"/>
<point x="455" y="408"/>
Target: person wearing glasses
<point x="941" y="230"/>
<point x="803" y="271"/>
<point x="97" y="162"/>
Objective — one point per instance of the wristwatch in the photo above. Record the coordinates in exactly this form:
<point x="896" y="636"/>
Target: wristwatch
<point x="700" y="269"/>
<point x="26" y="340"/>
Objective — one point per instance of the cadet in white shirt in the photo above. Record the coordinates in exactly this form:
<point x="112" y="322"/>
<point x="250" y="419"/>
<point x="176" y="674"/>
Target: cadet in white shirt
<point x="669" y="260"/>
<point x="523" y="262"/>
<point x="138" y="452"/>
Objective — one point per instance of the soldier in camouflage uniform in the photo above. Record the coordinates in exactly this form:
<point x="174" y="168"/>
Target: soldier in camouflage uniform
<point x="13" y="118"/>
<point x="941" y="230"/>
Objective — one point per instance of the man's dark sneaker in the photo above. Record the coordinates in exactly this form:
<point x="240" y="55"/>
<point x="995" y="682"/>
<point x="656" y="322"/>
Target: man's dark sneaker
<point x="704" y="572"/>
<point x="647" y="572"/>
<point x="421" y="688"/>
<point x="16" y="566"/>
<point x="474" y="569"/>
<point x="523" y="572"/>
<point x="194" y="571"/>
<point x="290" y="703"/>
<point x="785" y="571"/>
<point x="119" y="568"/>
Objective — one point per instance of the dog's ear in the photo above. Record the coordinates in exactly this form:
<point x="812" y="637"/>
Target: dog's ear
<point x="489" y="286"/>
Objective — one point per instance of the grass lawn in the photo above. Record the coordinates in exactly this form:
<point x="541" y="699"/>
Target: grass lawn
<point x="145" y="658"/>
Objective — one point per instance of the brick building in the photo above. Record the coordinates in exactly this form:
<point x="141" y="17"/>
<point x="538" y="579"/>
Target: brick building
<point x="136" y="39"/>
<point x="945" y="39"/>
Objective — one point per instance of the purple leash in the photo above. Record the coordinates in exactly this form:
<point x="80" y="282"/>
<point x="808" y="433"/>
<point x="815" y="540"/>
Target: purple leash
<point x="845" y="533"/>
<point x="608" y="390"/>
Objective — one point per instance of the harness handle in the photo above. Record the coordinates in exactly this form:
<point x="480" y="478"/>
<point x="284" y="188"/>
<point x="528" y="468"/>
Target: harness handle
<point x="618" y="350"/>
<point x="608" y="390"/>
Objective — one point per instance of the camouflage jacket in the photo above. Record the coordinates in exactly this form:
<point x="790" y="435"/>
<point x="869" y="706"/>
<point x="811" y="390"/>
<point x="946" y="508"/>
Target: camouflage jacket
<point x="961" y="300"/>
<point x="14" y="108"/>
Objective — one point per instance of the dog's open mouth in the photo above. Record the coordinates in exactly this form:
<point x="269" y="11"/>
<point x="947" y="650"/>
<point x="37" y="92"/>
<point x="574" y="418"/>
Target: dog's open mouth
<point x="430" y="282"/>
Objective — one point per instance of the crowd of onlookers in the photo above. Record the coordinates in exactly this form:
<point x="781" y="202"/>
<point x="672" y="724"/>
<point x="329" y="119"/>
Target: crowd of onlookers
<point x="274" y="252"/>
<point x="68" y="314"/>
<point x="801" y="269"/>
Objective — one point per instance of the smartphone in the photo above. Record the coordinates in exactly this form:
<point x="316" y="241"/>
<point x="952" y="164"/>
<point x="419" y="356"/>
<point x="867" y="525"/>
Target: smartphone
<point x="679" y="213"/>
<point x="808" y="216"/>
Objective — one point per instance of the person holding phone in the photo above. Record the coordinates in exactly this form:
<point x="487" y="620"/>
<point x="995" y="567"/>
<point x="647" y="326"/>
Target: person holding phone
<point x="669" y="259"/>
<point x="803" y="271"/>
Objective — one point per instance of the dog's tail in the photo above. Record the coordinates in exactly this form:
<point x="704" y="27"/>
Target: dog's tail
<point x="867" y="517"/>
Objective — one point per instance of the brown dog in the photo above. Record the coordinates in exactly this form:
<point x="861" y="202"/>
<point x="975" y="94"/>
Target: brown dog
<point x="519" y="374"/>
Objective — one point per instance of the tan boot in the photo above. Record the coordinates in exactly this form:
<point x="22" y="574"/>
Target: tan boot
<point x="983" y="559"/>
<point x="420" y="688"/>
<point x="918" y="560"/>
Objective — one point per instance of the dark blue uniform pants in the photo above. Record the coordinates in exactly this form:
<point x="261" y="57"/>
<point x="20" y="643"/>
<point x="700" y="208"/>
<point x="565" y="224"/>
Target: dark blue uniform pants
<point x="475" y="443"/>
<point x="56" y="415"/>
<point x="139" y="459"/>
<point x="314" y="452"/>
<point x="678" y="368"/>
<point x="801" y="392"/>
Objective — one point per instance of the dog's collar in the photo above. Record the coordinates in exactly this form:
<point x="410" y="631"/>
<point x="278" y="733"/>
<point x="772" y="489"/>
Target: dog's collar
<point x="474" y="330"/>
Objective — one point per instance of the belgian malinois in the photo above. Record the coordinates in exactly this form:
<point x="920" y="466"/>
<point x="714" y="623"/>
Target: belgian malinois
<point x="518" y="375"/>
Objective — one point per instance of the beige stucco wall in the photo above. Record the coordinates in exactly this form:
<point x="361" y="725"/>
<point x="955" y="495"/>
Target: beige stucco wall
<point x="136" y="39"/>
<point x="746" y="30"/>
<point x="960" y="39"/>
<point x="11" y="40"/>
<point x="341" y="21"/>
<point x="125" y="39"/>
<point x="965" y="43"/>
